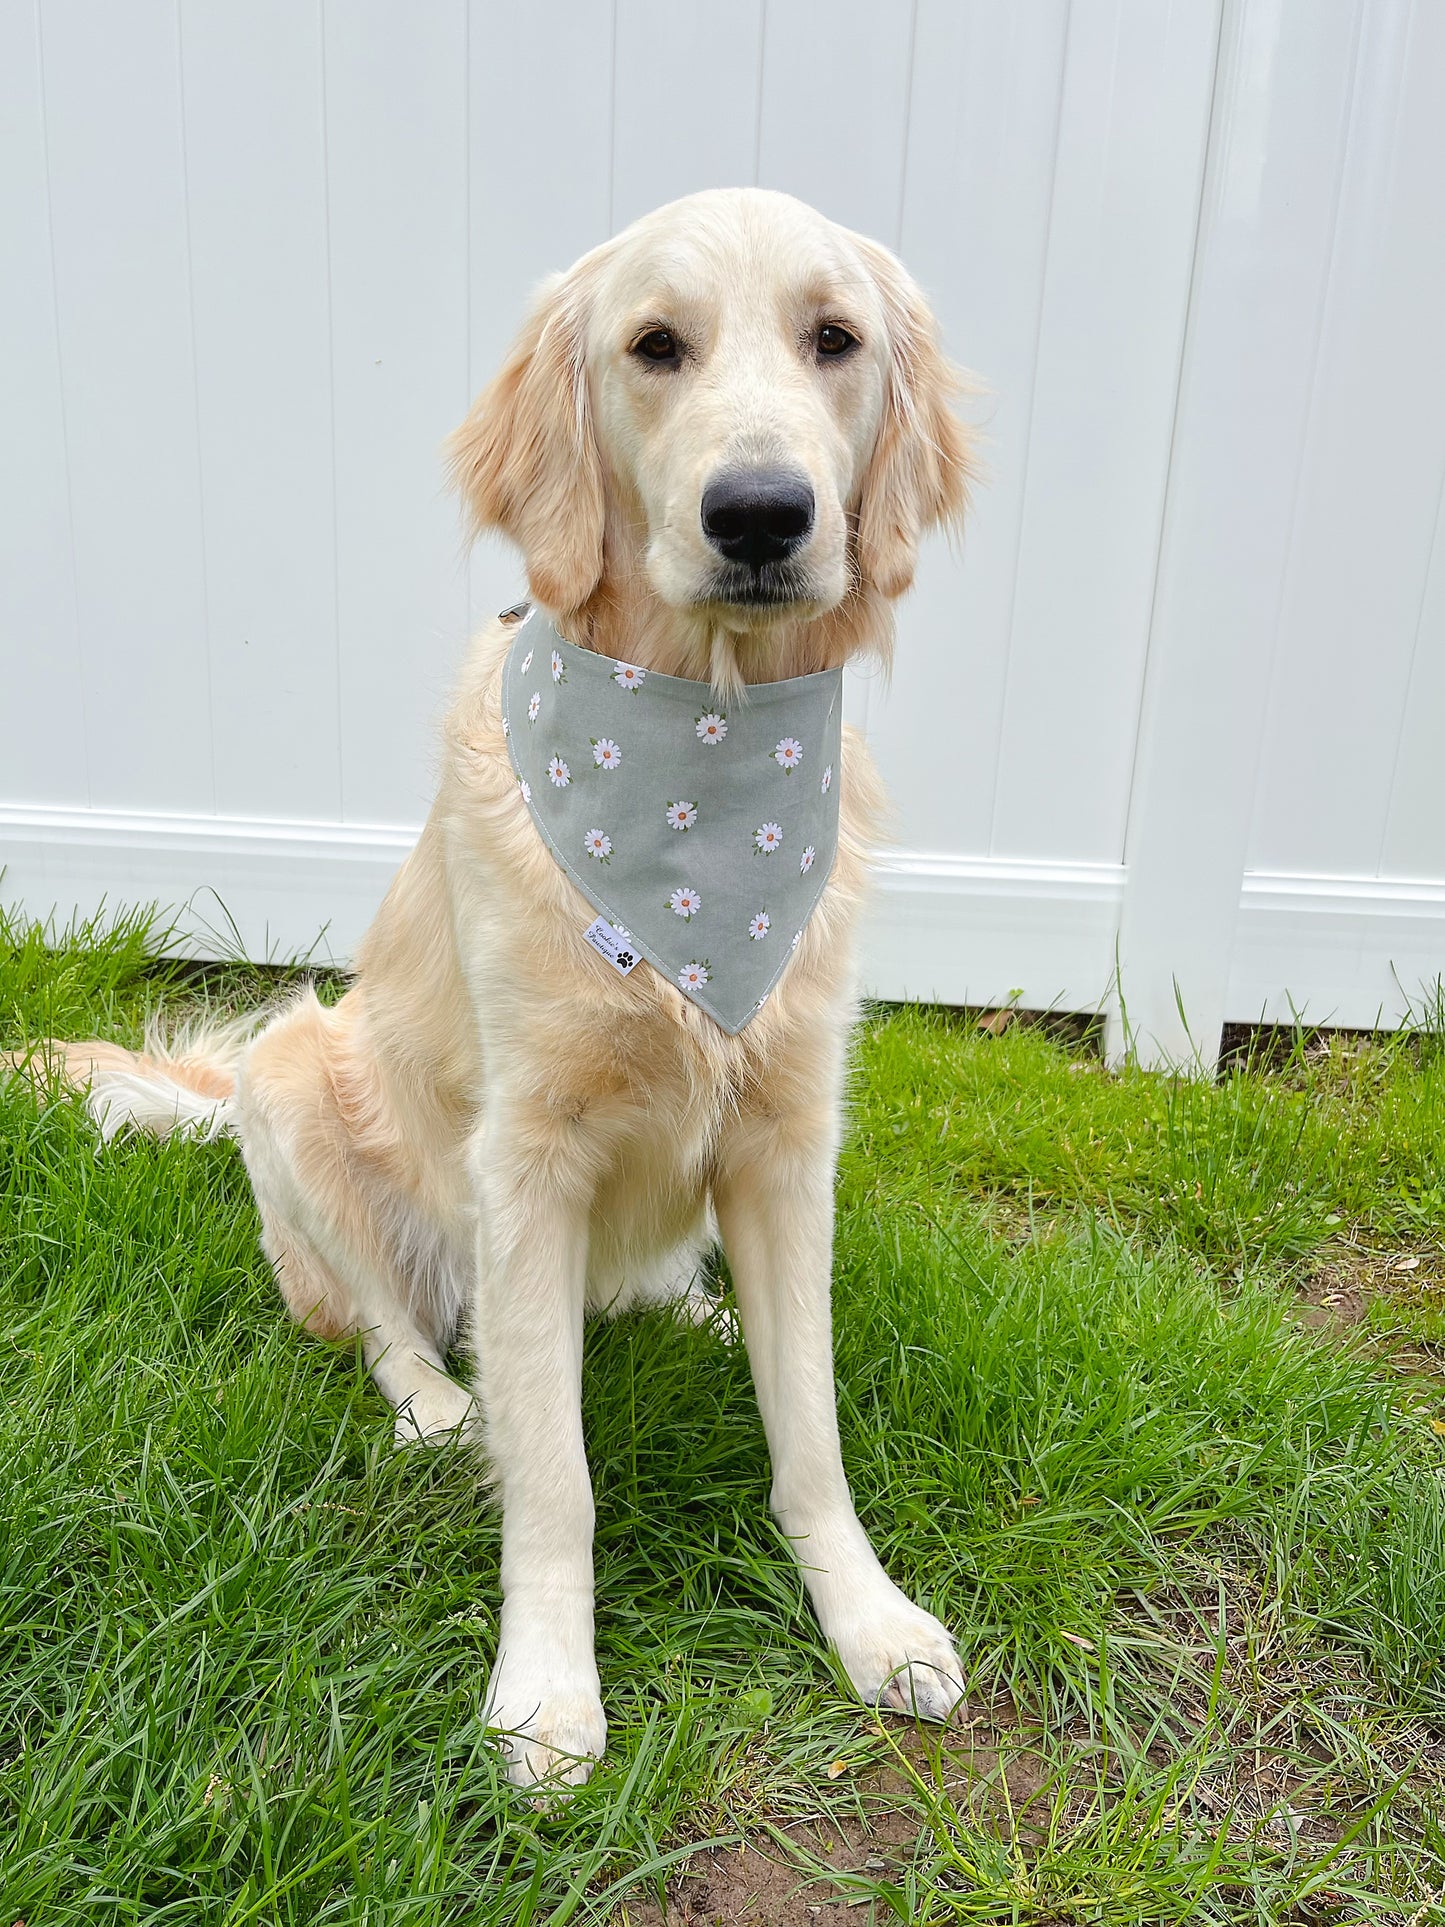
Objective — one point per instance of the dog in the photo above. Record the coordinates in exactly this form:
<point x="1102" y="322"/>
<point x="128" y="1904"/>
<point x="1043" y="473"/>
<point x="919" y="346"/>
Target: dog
<point x="493" y="1129"/>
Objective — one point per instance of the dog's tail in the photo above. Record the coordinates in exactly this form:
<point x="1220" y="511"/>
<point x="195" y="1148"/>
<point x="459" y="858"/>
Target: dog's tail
<point x="178" y="1085"/>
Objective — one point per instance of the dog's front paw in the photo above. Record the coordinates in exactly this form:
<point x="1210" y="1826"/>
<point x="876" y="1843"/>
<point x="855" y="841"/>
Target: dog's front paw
<point x="550" y="1731"/>
<point x="900" y="1658"/>
<point x="434" y="1412"/>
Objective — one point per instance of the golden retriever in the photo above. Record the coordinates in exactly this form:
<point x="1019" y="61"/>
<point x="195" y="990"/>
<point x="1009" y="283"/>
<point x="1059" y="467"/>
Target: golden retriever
<point x="492" y="1124"/>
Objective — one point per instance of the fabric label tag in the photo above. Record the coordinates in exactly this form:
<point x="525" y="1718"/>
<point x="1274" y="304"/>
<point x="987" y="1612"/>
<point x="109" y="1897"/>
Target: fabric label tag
<point x="613" y="944"/>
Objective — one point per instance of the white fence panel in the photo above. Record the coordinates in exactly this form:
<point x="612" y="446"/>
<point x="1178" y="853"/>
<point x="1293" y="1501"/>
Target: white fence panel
<point x="1176" y="708"/>
<point x="1304" y="496"/>
<point x="257" y="221"/>
<point x="120" y="274"/>
<point x="40" y="659"/>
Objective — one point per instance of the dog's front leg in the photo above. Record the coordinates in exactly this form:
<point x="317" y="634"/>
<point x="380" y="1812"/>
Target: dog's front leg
<point x="531" y="1274"/>
<point x="774" y="1202"/>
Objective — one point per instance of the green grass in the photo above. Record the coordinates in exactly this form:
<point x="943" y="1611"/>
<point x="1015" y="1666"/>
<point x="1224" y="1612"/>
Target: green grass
<point x="1196" y="1553"/>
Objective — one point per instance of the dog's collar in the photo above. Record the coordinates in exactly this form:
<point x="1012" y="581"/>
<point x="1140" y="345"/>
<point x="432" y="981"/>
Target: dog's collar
<point x="702" y="830"/>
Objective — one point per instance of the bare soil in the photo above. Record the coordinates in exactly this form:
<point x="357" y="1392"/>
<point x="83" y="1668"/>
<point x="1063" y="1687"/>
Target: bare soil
<point x="797" y="1873"/>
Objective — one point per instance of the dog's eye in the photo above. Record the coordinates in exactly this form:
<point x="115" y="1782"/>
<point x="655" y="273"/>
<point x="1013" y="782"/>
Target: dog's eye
<point x="658" y="344"/>
<point x="835" y="341"/>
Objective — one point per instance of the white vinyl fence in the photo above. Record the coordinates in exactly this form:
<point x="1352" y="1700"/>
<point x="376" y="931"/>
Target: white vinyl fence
<point x="1175" y="711"/>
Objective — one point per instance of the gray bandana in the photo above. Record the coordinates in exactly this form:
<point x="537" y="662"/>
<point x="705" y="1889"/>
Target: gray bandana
<point x="702" y="830"/>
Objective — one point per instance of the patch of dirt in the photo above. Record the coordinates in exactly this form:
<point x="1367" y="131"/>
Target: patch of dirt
<point x="749" y="1885"/>
<point x="1351" y="1278"/>
<point x="1286" y="1740"/>
<point x="1330" y="1296"/>
<point x="796" y="1872"/>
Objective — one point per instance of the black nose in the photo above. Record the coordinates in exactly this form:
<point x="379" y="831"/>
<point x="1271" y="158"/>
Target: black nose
<point x="757" y="515"/>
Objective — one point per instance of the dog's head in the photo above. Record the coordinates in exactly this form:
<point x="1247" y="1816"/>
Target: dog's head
<point x="735" y="400"/>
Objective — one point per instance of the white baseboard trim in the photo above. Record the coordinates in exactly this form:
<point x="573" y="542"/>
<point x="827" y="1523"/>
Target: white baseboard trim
<point x="956" y="929"/>
<point x="987" y="930"/>
<point x="1356" y="951"/>
<point x="267" y="890"/>
<point x="203" y="835"/>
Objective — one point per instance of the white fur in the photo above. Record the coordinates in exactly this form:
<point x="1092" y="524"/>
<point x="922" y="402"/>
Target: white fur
<point x="122" y="1101"/>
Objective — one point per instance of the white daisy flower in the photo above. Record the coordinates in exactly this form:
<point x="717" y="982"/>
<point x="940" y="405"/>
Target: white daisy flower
<point x="759" y="926"/>
<point x="559" y="674"/>
<point x="685" y="903"/>
<point x="598" y="843"/>
<point x="827" y="779"/>
<point x="626" y="676"/>
<point x="682" y="816"/>
<point x="711" y="728"/>
<point x="789" y="753"/>
<point x="534" y="703"/>
<point x="605" y="753"/>
<point x="805" y="861"/>
<point x="769" y="838"/>
<point x="559" y="772"/>
<point x="693" y="976"/>
<point x="526" y="789"/>
<point x="527" y="661"/>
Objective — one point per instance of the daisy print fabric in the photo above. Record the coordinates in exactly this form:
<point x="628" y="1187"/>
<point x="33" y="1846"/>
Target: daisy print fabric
<point x="683" y="819"/>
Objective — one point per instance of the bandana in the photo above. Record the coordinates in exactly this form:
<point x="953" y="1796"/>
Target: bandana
<point x="703" y="830"/>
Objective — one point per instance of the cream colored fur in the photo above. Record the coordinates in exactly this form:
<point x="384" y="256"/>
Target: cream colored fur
<point x="492" y="1126"/>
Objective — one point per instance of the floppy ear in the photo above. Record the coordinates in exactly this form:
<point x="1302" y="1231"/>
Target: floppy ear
<point x="922" y="462"/>
<point x="525" y="459"/>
